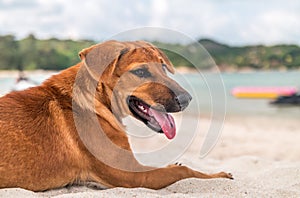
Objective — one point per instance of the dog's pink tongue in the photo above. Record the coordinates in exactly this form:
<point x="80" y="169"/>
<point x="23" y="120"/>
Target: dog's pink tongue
<point x="166" y="123"/>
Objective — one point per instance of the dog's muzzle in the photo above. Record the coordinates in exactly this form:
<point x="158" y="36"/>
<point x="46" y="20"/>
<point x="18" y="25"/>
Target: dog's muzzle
<point x="159" y="119"/>
<point x="183" y="100"/>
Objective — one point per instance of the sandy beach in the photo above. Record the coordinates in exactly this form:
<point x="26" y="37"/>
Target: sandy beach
<point x="33" y="73"/>
<point x="262" y="153"/>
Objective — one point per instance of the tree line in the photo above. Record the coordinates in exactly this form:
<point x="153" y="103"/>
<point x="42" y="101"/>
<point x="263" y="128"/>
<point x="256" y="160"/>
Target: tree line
<point x="31" y="53"/>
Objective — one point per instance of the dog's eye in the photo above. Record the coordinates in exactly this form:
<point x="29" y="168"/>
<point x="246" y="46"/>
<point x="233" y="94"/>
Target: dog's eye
<point x="164" y="67"/>
<point x="142" y="73"/>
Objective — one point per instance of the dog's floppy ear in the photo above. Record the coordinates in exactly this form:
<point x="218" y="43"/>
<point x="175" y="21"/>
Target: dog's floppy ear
<point x="101" y="57"/>
<point x="82" y="54"/>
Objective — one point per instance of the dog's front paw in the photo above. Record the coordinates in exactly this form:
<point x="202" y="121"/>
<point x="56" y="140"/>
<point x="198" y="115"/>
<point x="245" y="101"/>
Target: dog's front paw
<point x="226" y="175"/>
<point x="178" y="164"/>
<point x="174" y="165"/>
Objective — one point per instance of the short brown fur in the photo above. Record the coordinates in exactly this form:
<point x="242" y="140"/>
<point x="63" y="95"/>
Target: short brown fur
<point x="40" y="147"/>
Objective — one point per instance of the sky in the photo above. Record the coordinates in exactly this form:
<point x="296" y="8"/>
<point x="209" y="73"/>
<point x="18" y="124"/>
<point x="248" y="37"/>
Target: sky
<point x="233" y="22"/>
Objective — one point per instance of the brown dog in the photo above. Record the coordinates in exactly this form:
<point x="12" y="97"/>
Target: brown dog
<point x="69" y="128"/>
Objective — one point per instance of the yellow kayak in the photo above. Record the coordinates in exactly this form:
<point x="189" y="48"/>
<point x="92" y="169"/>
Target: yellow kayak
<point x="263" y="92"/>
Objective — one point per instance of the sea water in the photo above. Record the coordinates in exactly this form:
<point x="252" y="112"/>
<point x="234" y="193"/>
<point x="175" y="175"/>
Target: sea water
<point x="212" y="92"/>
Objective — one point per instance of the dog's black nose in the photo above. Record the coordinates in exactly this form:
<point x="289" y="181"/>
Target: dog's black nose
<point x="183" y="100"/>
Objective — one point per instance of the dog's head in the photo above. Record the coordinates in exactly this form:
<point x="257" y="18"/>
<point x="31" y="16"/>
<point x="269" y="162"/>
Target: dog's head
<point x="133" y="77"/>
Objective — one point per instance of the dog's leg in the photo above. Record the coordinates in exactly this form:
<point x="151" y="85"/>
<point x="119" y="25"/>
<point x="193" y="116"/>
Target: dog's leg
<point x="131" y="173"/>
<point x="157" y="178"/>
<point x="163" y="177"/>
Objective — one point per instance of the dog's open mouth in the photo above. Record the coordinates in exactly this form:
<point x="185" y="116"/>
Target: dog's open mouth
<point x="159" y="121"/>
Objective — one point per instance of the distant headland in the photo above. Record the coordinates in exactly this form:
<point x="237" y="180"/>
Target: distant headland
<point x="31" y="53"/>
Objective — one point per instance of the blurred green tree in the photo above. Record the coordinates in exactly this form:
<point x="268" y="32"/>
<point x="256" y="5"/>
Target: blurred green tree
<point x="9" y="52"/>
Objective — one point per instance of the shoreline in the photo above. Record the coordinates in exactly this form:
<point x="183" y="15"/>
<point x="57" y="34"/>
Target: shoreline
<point x="180" y="70"/>
<point x="15" y="73"/>
<point x="218" y="69"/>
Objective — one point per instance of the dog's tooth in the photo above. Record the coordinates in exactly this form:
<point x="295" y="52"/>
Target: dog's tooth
<point x="141" y="107"/>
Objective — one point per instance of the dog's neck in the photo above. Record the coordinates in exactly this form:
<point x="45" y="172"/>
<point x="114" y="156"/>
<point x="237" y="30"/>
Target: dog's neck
<point x="82" y="91"/>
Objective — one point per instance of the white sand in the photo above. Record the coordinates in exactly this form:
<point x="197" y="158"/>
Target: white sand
<point x="263" y="154"/>
<point x="15" y="73"/>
